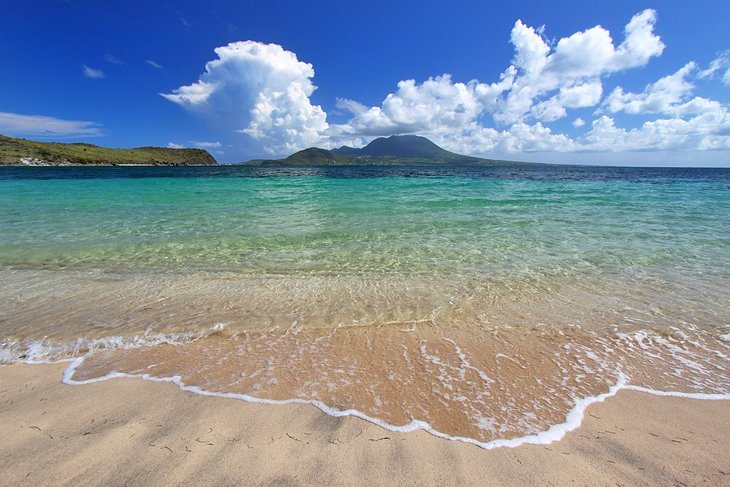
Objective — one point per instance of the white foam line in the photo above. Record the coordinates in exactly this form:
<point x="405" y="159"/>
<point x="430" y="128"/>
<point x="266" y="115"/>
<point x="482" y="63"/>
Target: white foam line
<point x="573" y="419"/>
<point x="688" y="395"/>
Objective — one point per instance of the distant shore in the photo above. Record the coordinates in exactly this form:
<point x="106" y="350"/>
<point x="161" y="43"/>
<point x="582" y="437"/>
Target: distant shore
<point x="134" y="432"/>
<point x="72" y="164"/>
<point x="23" y="152"/>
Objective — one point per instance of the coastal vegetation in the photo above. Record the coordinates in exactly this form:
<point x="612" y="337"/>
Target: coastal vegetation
<point x="23" y="152"/>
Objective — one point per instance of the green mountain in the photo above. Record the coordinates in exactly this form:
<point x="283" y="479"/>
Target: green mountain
<point x="393" y="150"/>
<point x="22" y="152"/>
<point x="406" y="146"/>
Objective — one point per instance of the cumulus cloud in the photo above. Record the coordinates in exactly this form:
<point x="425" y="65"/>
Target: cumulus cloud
<point x="542" y="83"/>
<point x="263" y="91"/>
<point x="18" y="125"/>
<point x="173" y="145"/>
<point x="709" y="130"/>
<point x="664" y="96"/>
<point x="573" y="68"/>
<point x="436" y="103"/>
<point x="91" y="72"/>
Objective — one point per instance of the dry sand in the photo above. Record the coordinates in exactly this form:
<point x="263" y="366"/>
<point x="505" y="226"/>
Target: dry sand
<point x="133" y="432"/>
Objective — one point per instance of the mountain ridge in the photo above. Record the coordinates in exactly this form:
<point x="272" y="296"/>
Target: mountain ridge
<point x="392" y="150"/>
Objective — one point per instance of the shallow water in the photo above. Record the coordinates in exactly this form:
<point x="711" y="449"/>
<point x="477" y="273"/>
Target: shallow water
<point x="486" y="302"/>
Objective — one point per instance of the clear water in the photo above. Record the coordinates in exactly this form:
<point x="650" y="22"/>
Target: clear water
<point x="499" y="222"/>
<point x="484" y="301"/>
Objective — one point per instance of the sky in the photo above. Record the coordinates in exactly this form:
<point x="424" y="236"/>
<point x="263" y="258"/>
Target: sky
<point x="620" y="83"/>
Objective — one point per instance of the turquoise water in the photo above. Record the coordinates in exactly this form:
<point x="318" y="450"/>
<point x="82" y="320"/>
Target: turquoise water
<point x="341" y="225"/>
<point x="484" y="303"/>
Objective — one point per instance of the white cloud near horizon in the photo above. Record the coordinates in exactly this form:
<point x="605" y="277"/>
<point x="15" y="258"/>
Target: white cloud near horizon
<point x="540" y="86"/>
<point x="263" y="91"/>
<point x="90" y="72"/>
<point x="18" y="125"/>
<point x="207" y="145"/>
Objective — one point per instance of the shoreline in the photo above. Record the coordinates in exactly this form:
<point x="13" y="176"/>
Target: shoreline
<point x="554" y="433"/>
<point x="139" y="432"/>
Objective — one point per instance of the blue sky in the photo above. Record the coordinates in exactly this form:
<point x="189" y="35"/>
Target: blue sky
<point x="582" y="82"/>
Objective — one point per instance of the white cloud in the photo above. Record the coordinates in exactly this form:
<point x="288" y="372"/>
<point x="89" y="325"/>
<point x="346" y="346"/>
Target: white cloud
<point x="91" y="72"/>
<point x="173" y="145"/>
<point x="709" y="130"/>
<point x="436" y="103"/>
<point x="260" y="90"/>
<point x="154" y="64"/>
<point x="207" y="145"/>
<point x="113" y="59"/>
<point x="263" y="91"/>
<point x="577" y="96"/>
<point x="573" y="68"/>
<point x="17" y="125"/>
<point x="719" y="64"/>
<point x="542" y="83"/>
<point x="663" y="96"/>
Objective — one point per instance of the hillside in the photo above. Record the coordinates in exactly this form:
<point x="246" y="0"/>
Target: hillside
<point x="393" y="150"/>
<point x="406" y="146"/>
<point x="22" y="152"/>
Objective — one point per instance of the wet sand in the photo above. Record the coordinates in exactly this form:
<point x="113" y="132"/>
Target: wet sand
<point x="134" y="432"/>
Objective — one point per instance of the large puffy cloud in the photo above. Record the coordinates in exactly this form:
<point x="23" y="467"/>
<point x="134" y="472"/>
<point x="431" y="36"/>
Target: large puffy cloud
<point x="708" y="130"/>
<point x="542" y="83"/>
<point x="664" y="96"/>
<point x="16" y="124"/>
<point x="263" y="91"/>
<point x="436" y="103"/>
<point x="573" y="68"/>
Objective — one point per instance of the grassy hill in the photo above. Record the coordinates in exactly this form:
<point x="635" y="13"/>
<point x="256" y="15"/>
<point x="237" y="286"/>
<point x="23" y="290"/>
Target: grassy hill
<point x="394" y="150"/>
<point x="19" y="152"/>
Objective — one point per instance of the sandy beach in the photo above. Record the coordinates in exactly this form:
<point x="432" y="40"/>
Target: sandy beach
<point x="135" y="432"/>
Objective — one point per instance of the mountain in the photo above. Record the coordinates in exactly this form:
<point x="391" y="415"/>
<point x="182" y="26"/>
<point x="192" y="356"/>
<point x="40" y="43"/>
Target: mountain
<point x="393" y="150"/>
<point x="405" y="146"/>
<point x="22" y="152"/>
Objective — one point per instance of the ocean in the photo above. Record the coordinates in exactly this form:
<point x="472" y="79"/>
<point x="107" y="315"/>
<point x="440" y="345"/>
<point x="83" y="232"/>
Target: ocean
<point x="485" y="304"/>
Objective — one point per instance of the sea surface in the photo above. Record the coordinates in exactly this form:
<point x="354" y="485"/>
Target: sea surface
<point x="486" y="304"/>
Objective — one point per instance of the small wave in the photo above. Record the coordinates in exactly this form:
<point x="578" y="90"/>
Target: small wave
<point x="450" y="371"/>
<point x="33" y="351"/>
<point x="556" y="432"/>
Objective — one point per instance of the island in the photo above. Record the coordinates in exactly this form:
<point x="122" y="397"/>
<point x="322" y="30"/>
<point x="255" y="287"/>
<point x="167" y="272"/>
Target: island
<point x="393" y="150"/>
<point x="22" y="152"/>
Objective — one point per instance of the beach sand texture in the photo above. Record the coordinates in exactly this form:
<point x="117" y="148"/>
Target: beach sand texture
<point x="134" y="432"/>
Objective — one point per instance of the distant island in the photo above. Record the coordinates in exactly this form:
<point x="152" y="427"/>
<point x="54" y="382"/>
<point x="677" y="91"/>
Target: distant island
<point x="22" y="152"/>
<point x="393" y="150"/>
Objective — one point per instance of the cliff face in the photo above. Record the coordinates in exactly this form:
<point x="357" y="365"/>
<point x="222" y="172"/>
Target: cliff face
<point x="22" y="152"/>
